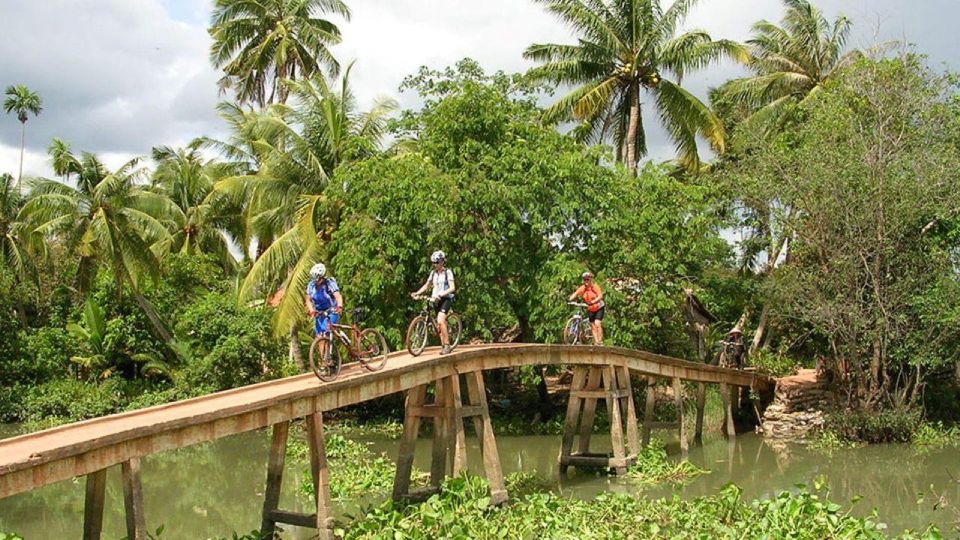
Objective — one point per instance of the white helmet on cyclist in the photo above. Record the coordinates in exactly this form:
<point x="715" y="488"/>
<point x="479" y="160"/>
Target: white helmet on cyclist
<point x="587" y="274"/>
<point x="438" y="256"/>
<point x="318" y="271"/>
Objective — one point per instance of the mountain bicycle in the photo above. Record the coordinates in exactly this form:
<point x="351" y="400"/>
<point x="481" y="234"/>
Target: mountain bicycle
<point x="328" y="349"/>
<point x="575" y="330"/>
<point x="419" y="330"/>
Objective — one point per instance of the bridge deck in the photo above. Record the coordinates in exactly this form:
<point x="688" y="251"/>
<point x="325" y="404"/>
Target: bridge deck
<point x="36" y="459"/>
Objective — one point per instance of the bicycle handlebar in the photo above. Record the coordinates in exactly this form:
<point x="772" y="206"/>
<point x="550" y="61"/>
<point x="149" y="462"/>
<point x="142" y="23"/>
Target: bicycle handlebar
<point x="577" y="304"/>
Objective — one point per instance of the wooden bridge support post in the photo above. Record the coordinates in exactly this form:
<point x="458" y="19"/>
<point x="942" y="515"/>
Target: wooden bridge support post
<point x="322" y="519"/>
<point x="408" y="441"/>
<point x="133" y="500"/>
<point x="681" y="427"/>
<point x="488" y="444"/>
<point x="93" y="504"/>
<point x="278" y="456"/>
<point x="321" y="476"/>
<point x="727" y="428"/>
<point x="701" y="404"/>
<point x="585" y="391"/>
<point x="449" y="438"/>
<point x="648" y="409"/>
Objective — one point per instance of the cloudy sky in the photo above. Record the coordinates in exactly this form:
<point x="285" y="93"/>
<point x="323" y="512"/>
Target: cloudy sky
<point x="120" y="76"/>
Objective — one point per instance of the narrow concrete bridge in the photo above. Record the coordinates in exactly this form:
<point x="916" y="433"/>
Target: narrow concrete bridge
<point x="600" y="374"/>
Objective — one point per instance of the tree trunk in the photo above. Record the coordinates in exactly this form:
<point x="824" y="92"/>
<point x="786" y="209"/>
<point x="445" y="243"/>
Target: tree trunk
<point x="158" y="326"/>
<point x="296" y="353"/>
<point x="761" y="330"/>
<point x="23" y="131"/>
<point x="632" y="128"/>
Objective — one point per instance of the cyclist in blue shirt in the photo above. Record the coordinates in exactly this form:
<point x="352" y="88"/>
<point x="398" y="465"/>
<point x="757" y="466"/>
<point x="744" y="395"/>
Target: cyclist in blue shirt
<point x="323" y="299"/>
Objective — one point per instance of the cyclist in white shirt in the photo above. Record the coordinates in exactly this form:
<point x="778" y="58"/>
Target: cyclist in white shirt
<point x="442" y="296"/>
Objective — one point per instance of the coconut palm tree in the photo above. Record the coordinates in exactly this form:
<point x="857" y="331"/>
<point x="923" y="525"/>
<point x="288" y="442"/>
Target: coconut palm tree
<point x="790" y="63"/>
<point x="198" y="217"/>
<point x="623" y="50"/>
<point x="109" y="219"/>
<point x="320" y="132"/>
<point x="261" y="43"/>
<point x="20" y="251"/>
<point x="22" y="101"/>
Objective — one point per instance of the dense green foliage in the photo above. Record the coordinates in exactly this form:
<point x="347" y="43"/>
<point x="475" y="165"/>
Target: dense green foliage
<point x="463" y="510"/>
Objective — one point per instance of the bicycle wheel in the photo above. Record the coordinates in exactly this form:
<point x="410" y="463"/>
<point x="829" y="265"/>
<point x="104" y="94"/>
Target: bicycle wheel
<point x="573" y="331"/>
<point x="454" y="329"/>
<point x="372" y="350"/>
<point x="417" y="335"/>
<point x="326" y="369"/>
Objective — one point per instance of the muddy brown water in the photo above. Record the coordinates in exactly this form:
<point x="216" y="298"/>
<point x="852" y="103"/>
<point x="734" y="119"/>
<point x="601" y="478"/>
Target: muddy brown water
<point x="214" y="489"/>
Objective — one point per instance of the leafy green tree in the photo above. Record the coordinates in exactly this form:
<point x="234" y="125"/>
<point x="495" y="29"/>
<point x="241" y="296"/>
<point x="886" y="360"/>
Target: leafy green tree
<point x="23" y="102"/>
<point x="624" y="49"/>
<point x="109" y="220"/>
<point x="199" y="216"/>
<point x="789" y="63"/>
<point x="867" y="177"/>
<point x="260" y="44"/>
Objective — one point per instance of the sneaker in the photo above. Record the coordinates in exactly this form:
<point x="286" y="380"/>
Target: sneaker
<point x="445" y="349"/>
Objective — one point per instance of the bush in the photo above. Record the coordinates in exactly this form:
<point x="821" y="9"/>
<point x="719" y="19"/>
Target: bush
<point x="70" y="400"/>
<point x="775" y="364"/>
<point x="871" y="427"/>
<point x="44" y="354"/>
<point x="231" y="345"/>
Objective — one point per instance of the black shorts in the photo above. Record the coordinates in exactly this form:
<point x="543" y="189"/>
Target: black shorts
<point x="596" y="315"/>
<point x="444" y="305"/>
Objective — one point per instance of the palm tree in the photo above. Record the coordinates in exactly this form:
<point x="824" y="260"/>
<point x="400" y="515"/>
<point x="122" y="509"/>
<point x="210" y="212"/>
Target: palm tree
<point x="20" y="251"/>
<point x="790" y="63"/>
<point x="288" y="194"/>
<point x="261" y="43"/>
<point x="22" y="101"/>
<point x="623" y="49"/>
<point x="198" y="215"/>
<point x="108" y="219"/>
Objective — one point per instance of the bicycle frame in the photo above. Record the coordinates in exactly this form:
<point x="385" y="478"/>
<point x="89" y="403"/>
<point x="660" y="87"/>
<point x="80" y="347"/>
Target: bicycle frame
<point x="431" y="316"/>
<point x="336" y="330"/>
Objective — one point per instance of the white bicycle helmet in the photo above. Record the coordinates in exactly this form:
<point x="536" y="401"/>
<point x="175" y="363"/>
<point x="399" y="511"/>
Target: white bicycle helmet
<point x="318" y="271"/>
<point x="587" y="274"/>
<point x="438" y="256"/>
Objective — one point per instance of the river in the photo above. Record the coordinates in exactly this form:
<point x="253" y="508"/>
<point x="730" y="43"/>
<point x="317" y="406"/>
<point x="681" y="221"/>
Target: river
<point x="216" y="488"/>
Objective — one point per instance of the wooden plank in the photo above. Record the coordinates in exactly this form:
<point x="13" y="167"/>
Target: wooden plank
<point x="648" y="410"/>
<point x="573" y="416"/>
<point x="458" y="437"/>
<point x="275" y="462"/>
<point x="488" y="443"/>
<point x="633" y="437"/>
<point x="600" y="394"/>
<point x="678" y="400"/>
<point x="133" y="500"/>
<point x="294" y="518"/>
<point x="321" y="476"/>
<point x="93" y="505"/>
<point x="701" y="404"/>
<point x="408" y="442"/>
<point x="593" y="381"/>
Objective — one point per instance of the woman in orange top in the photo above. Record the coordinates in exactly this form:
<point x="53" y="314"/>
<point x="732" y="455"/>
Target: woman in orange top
<point x="593" y="297"/>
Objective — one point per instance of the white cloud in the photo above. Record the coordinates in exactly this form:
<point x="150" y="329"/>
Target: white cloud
<point x="120" y="76"/>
